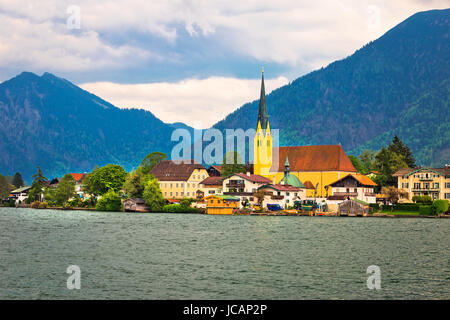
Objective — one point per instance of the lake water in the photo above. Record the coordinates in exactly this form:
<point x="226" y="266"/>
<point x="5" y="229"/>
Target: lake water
<point x="176" y="256"/>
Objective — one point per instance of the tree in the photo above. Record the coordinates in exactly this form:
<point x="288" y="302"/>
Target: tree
<point x="388" y="162"/>
<point x="357" y="164"/>
<point x="65" y="189"/>
<point x="232" y="163"/>
<point x="393" y="194"/>
<point x="367" y="158"/>
<point x="110" y="201"/>
<point x="135" y="182"/>
<point x="152" y="195"/>
<point x="101" y="180"/>
<point x="259" y="195"/>
<point x="18" y="180"/>
<point x="402" y="149"/>
<point x="37" y="187"/>
<point x="5" y="187"/>
<point x="151" y="160"/>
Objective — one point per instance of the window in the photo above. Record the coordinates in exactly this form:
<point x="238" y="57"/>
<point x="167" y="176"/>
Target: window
<point x="165" y="194"/>
<point x="436" y="185"/>
<point x="416" y="185"/>
<point x="188" y="194"/>
<point x="407" y="185"/>
<point x="171" y="194"/>
<point x="447" y="185"/>
<point x="447" y="196"/>
<point x="176" y="185"/>
<point x="176" y="194"/>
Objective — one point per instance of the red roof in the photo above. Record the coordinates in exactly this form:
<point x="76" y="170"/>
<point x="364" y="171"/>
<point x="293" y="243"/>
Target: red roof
<point x="168" y="170"/>
<point x="212" y="181"/>
<point x="312" y="158"/>
<point x="77" y="176"/>
<point x="253" y="178"/>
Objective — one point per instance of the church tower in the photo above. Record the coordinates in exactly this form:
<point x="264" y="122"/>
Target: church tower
<point x="262" y="145"/>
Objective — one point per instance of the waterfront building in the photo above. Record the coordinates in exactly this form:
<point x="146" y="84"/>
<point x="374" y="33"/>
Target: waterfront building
<point x="283" y="194"/>
<point x="212" y="185"/>
<point x="179" y="179"/>
<point x="243" y="185"/>
<point x="353" y="186"/>
<point x="221" y="204"/>
<point x="20" y="194"/>
<point x="433" y="182"/>
<point x="214" y="171"/>
<point x="321" y="165"/>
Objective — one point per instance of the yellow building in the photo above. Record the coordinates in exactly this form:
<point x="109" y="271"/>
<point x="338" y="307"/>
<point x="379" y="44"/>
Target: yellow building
<point x="221" y="205"/>
<point x="433" y="182"/>
<point x="179" y="180"/>
<point x="320" y="165"/>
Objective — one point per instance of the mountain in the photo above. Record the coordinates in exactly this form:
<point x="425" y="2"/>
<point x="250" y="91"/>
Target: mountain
<point x="49" y="122"/>
<point x="398" y="84"/>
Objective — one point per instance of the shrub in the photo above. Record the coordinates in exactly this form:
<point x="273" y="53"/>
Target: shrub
<point x="375" y="206"/>
<point x="43" y="205"/>
<point x="426" y="210"/>
<point x="109" y="202"/>
<point x="440" y="206"/>
<point x="35" y="205"/>
<point x="406" y="207"/>
<point x="178" y="208"/>
<point x="422" y="199"/>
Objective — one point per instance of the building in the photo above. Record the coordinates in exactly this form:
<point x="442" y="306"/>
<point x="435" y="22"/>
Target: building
<point x="433" y="182"/>
<point x="221" y="204"/>
<point x="283" y="194"/>
<point x="214" y="171"/>
<point x="310" y="189"/>
<point x="20" y="195"/>
<point x="179" y="179"/>
<point x="212" y="185"/>
<point x="353" y="186"/>
<point x="373" y="174"/>
<point x="321" y="165"/>
<point x="78" y="177"/>
<point x="135" y="205"/>
<point x="243" y="185"/>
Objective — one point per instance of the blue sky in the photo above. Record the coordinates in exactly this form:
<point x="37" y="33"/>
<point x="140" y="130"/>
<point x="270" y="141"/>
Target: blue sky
<point x="193" y="61"/>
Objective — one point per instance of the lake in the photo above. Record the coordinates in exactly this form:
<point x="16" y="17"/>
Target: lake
<point x="182" y="256"/>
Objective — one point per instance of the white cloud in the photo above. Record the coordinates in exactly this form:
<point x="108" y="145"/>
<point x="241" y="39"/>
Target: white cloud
<point x="199" y="103"/>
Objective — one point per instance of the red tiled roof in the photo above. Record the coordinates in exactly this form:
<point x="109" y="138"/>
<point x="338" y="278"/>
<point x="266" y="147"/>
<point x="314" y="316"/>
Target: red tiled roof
<point x="313" y="158"/>
<point x="309" y="185"/>
<point x="168" y="170"/>
<point x="212" y="181"/>
<point x="253" y="178"/>
<point x="281" y="187"/>
<point x="77" y="176"/>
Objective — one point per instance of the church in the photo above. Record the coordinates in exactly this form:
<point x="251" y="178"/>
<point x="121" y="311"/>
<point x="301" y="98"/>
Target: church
<point x="318" y="166"/>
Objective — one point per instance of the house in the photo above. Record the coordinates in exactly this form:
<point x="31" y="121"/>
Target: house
<point x="433" y="182"/>
<point x="283" y="194"/>
<point x="20" y="195"/>
<point x="353" y="186"/>
<point x="135" y="205"/>
<point x="179" y="179"/>
<point x="243" y="185"/>
<point x="353" y="207"/>
<point x="221" y="204"/>
<point x="214" y="171"/>
<point x="310" y="189"/>
<point x="78" y="177"/>
<point x="372" y="174"/>
<point x="212" y="185"/>
<point x="321" y="165"/>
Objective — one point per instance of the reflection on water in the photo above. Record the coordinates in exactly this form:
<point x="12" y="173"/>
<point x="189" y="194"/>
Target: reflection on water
<point x="176" y="256"/>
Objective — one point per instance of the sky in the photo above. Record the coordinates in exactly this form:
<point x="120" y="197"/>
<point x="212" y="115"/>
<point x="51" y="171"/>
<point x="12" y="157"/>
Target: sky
<point x="191" y="61"/>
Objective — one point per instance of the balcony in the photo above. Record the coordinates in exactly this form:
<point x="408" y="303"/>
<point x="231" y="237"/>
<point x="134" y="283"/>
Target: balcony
<point x="235" y="185"/>
<point x="425" y="189"/>
<point x="425" y="179"/>
<point x="346" y="194"/>
<point x="370" y="195"/>
<point x="277" y="197"/>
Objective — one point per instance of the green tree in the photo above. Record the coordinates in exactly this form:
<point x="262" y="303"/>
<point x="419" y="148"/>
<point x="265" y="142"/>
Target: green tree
<point x="387" y="163"/>
<point x="18" y="180"/>
<point x="135" y="182"/>
<point x="367" y="158"/>
<point x="110" y="201"/>
<point x="402" y="149"/>
<point x="37" y="187"/>
<point x="357" y="164"/>
<point x="152" y="195"/>
<point x="393" y="194"/>
<point x="65" y="189"/>
<point x="5" y="187"/>
<point x="151" y="160"/>
<point x="232" y="163"/>
<point x="101" y="180"/>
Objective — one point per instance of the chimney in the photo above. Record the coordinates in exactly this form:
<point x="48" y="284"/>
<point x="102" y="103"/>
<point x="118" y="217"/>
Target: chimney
<point x="248" y="173"/>
<point x="274" y="181"/>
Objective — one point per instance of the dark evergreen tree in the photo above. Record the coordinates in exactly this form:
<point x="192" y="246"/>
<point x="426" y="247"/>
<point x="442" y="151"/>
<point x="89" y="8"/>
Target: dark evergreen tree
<point x="402" y="149"/>
<point x="18" y="180"/>
<point x="37" y="187"/>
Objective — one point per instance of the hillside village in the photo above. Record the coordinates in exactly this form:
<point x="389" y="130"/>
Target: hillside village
<point x="299" y="179"/>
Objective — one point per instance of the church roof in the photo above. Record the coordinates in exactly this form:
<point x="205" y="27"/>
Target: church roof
<point x="312" y="158"/>
<point x="293" y="181"/>
<point x="263" y="116"/>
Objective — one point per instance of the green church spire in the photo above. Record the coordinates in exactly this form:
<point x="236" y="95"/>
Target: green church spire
<point x="263" y="116"/>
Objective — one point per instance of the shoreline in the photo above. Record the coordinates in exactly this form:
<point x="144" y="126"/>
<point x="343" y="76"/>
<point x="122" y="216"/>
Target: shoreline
<point x="261" y="214"/>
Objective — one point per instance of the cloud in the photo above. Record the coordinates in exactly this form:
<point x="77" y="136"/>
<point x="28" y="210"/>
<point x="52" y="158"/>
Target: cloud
<point x="199" y="103"/>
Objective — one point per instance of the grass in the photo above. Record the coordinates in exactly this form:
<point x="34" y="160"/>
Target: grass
<point x="401" y="213"/>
